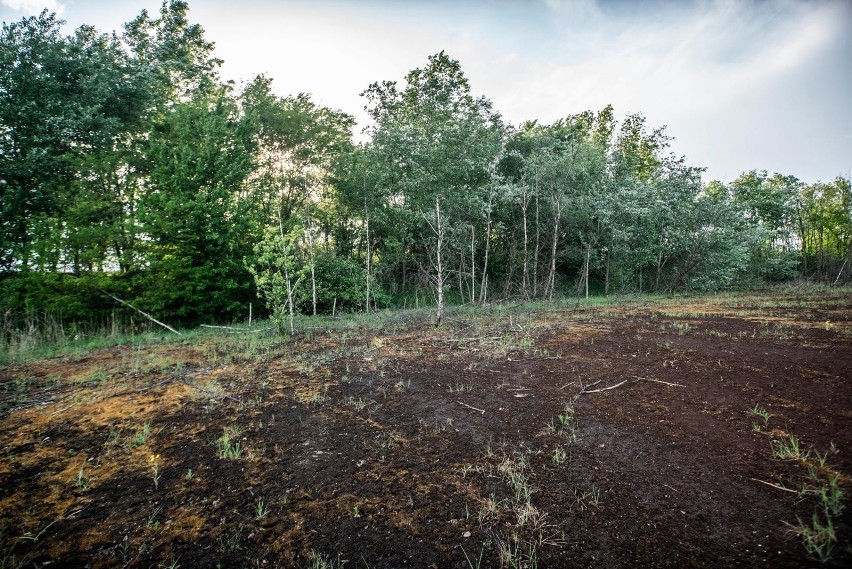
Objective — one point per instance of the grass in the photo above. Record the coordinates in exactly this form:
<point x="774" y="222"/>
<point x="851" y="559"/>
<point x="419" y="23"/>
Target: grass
<point x="762" y="414"/>
<point x="823" y="483"/>
<point x="140" y="437"/>
<point x="320" y="561"/>
<point x="227" y="446"/>
<point x="82" y="481"/>
<point x="153" y="519"/>
<point x="818" y="536"/>
<point x="261" y="509"/>
<point x="788" y="447"/>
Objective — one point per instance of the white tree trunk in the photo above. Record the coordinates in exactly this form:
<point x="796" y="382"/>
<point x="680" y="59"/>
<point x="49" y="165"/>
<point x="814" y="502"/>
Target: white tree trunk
<point x="473" y="265"/>
<point x="439" y="227"/>
<point x="551" y="280"/>
<point x="525" y="281"/>
<point x="369" y="253"/>
<point x="310" y="233"/>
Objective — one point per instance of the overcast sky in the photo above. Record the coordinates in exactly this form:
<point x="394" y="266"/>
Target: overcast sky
<point x="763" y="85"/>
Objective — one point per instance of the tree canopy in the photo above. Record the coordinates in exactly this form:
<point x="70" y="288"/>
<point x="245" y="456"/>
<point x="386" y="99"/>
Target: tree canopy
<point x="128" y="166"/>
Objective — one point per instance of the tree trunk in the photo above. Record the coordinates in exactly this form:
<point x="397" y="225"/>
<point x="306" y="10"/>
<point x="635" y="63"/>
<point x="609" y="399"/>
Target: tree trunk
<point x="473" y="264"/>
<point x="313" y="265"/>
<point x="537" y="244"/>
<point x="659" y="262"/>
<point x="287" y="282"/>
<point x="487" y="242"/>
<point x="439" y="229"/>
<point x="525" y="279"/>
<point x="551" y="279"/>
<point x="369" y="254"/>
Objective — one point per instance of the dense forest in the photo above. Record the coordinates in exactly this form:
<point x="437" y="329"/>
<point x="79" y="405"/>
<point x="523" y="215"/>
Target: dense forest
<point x="129" y="169"/>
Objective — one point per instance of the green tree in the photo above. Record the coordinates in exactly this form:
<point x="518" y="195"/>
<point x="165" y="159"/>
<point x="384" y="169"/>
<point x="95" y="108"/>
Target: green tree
<point x="432" y="147"/>
<point x="195" y="213"/>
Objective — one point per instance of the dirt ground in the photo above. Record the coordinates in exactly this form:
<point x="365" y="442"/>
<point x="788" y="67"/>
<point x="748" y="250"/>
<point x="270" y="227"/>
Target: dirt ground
<point x="634" y="434"/>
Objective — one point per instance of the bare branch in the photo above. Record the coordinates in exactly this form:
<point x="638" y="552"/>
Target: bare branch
<point x="145" y="314"/>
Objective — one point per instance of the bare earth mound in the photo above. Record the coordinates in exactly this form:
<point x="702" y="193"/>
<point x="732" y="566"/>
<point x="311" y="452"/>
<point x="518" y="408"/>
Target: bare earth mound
<point x="712" y="432"/>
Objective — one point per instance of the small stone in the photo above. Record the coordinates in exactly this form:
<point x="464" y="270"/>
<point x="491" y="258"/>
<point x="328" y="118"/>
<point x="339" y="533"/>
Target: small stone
<point x="466" y="534"/>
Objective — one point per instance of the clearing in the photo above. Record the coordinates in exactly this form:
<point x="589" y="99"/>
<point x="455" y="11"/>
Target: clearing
<point x="687" y="432"/>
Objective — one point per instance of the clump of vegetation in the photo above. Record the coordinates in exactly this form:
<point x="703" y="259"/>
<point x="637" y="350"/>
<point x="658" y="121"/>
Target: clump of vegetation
<point x="228" y="445"/>
<point x="822" y="485"/>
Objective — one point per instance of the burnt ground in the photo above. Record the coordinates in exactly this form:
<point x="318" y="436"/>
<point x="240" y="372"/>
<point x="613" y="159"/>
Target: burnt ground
<point x="621" y="435"/>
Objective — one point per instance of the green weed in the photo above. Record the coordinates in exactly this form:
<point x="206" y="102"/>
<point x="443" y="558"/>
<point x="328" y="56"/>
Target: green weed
<point x="227" y="445"/>
<point x="261" y="509"/>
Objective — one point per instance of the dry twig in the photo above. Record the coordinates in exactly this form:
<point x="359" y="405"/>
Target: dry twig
<point x="605" y="388"/>
<point x="776" y="486"/>
<point x="471" y="407"/>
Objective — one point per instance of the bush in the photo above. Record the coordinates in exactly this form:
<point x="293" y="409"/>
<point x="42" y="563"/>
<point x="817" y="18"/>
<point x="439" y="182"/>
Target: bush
<point x="337" y="278"/>
<point x="66" y="297"/>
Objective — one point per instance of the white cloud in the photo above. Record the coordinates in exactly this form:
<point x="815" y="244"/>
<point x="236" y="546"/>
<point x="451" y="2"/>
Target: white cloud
<point x="34" y="6"/>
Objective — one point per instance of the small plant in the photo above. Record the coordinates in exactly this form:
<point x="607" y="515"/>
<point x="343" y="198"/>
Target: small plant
<point x="155" y="469"/>
<point x="460" y="387"/>
<point x="831" y="495"/>
<point x="586" y="499"/>
<point x="319" y="561"/>
<point x="788" y="447"/>
<point x="231" y="542"/>
<point x="226" y="445"/>
<point x="261" y="509"/>
<point x="567" y="416"/>
<point x="35" y="537"/>
<point x="154" y="523"/>
<point x="763" y="414"/>
<point x="559" y="455"/>
<point x="356" y="511"/>
<point x="818" y="537"/>
<point x="478" y="563"/>
<point x="189" y="474"/>
<point x="122" y="548"/>
<point x="82" y="481"/>
<point x="141" y="436"/>
<point x="357" y="404"/>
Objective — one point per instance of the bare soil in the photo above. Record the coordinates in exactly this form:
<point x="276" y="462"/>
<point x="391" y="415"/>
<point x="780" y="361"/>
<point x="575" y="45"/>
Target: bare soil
<point x="614" y="436"/>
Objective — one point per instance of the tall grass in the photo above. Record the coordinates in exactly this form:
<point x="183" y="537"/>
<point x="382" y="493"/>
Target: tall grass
<point x="35" y="335"/>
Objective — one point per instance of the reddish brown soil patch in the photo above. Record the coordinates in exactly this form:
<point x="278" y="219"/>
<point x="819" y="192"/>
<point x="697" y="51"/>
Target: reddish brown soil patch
<point x="417" y="447"/>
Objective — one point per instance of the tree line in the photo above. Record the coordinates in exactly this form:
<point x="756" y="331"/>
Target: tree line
<point x="128" y="167"/>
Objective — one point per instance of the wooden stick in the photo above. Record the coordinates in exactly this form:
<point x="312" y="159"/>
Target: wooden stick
<point x="145" y="314"/>
<point x="659" y="381"/>
<point x="776" y="486"/>
<point x="605" y="388"/>
<point x="471" y="407"/>
<point x="236" y="330"/>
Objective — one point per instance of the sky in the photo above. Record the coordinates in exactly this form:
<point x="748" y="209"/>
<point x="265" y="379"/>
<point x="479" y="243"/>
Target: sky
<point x="740" y="85"/>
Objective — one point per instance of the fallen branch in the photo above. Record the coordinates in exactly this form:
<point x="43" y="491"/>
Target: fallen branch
<point x="236" y="330"/>
<point x="145" y="314"/>
<point x="776" y="486"/>
<point x="605" y="388"/>
<point x="471" y="407"/>
<point x="659" y="381"/>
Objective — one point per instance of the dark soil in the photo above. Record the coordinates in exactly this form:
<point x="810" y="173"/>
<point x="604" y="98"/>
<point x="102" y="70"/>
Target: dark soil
<point x="490" y="440"/>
